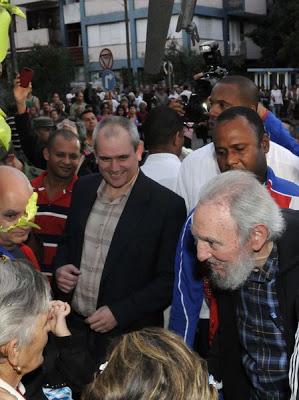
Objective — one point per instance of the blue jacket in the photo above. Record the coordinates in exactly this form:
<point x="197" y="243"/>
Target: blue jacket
<point x="279" y="134"/>
<point x="188" y="285"/>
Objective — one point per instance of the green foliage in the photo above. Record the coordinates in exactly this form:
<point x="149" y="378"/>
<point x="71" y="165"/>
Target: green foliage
<point x="53" y="69"/>
<point x="278" y="34"/>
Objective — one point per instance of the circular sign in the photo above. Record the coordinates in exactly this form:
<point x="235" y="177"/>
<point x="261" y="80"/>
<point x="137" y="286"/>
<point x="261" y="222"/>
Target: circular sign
<point x="106" y="58"/>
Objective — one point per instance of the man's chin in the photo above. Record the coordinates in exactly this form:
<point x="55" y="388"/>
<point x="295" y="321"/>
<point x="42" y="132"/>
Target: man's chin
<point x="234" y="276"/>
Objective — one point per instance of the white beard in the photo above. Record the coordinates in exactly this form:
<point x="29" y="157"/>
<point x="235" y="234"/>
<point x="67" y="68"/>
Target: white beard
<point x="236" y="273"/>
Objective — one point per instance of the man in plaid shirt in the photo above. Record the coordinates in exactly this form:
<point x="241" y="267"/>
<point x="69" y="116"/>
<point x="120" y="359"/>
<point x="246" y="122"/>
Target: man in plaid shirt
<point x="249" y="247"/>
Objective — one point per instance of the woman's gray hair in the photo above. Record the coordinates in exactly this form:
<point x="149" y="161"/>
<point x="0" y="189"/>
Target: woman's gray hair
<point x="24" y="295"/>
<point x="114" y="122"/>
<point x="249" y="202"/>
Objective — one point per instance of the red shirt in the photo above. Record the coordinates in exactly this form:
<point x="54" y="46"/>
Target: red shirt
<point x="51" y="218"/>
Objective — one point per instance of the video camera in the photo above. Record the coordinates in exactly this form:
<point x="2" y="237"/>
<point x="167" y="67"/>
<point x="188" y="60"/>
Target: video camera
<point x="196" y="108"/>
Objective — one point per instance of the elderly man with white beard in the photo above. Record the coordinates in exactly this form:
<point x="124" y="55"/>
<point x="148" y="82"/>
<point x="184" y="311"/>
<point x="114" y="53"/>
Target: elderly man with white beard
<point x="250" y="248"/>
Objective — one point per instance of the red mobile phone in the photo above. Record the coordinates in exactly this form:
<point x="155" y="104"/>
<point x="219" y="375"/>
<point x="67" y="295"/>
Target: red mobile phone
<point x="26" y="75"/>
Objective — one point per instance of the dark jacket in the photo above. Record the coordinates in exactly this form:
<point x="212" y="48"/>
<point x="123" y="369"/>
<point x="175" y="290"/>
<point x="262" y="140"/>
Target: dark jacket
<point x="137" y="279"/>
<point x="225" y="362"/>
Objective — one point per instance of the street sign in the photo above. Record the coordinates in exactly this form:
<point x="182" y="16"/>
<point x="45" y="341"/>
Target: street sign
<point x="108" y="79"/>
<point x="106" y="59"/>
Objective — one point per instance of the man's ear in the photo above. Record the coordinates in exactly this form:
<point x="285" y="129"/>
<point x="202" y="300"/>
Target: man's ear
<point x="265" y="143"/>
<point x="258" y="237"/>
<point x="139" y="150"/>
<point x="46" y="154"/>
<point x="177" y="138"/>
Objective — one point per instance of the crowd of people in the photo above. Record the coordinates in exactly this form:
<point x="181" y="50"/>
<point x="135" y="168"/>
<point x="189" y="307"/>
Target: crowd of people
<point x="283" y="101"/>
<point x="102" y="202"/>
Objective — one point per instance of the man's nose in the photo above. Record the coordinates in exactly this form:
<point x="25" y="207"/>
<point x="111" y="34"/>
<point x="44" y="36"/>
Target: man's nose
<point x="67" y="159"/>
<point x="215" y="110"/>
<point x="203" y="250"/>
<point x="114" y="165"/>
<point x="232" y="160"/>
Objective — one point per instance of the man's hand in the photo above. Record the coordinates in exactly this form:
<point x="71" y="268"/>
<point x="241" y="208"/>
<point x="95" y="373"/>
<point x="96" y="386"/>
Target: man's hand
<point x="20" y="95"/>
<point x="102" y="320"/>
<point x="67" y="277"/>
<point x="177" y="106"/>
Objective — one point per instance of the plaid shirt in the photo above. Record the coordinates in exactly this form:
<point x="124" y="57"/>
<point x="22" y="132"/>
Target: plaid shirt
<point x="261" y="332"/>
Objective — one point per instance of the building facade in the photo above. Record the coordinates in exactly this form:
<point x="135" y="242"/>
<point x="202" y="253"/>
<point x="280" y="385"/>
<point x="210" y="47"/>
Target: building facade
<point x="88" y="26"/>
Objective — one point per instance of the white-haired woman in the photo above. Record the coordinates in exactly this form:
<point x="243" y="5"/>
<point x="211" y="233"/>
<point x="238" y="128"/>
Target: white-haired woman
<point x="24" y="312"/>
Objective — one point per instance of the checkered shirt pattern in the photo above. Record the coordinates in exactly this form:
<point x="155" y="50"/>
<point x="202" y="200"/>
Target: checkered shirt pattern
<point x="261" y="332"/>
<point x="99" y="231"/>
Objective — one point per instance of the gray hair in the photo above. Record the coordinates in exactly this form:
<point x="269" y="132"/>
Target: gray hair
<point x="249" y="202"/>
<point x="114" y="122"/>
<point x="24" y="295"/>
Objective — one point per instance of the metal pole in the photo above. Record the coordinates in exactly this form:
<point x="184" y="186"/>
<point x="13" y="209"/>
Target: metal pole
<point x="128" y="42"/>
<point x="13" y="52"/>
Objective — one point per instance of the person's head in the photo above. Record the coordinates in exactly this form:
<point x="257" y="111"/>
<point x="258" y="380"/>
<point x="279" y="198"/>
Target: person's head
<point x="54" y="115"/>
<point x="9" y="158"/>
<point x="121" y="111"/>
<point x="233" y="91"/>
<point x="33" y="112"/>
<point x="163" y="131"/>
<point x="241" y="142"/>
<point x="79" y="97"/>
<point x="124" y="102"/>
<point x="55" y="98"/>
<point x="132" y="110"/>
<point x="24" y="307"/>
<point x="131" y="97"/>
<point x="15" y="192"/>
<point x="62" y="154"/>
<point x="143" y="106"/>
<point x="118" y="150"/>
<point x="155" y="364"/>
<point x="43" y="126"/>
<point x="234" y="223"/>
<point x="46" y="107"/>
<point x="90" y="121"/>
<point x="105" y="108"/>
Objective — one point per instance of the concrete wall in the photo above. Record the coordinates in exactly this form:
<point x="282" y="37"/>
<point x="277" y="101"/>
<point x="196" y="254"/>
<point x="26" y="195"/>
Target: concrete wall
<point x="29" y="38"/>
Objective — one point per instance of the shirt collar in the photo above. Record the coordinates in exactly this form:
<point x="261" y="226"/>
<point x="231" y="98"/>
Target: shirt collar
<point x="18" y="392"/>
<point x="38" y="183"/>
<point x="101" y="191"/>
<point x="270" y="269"/>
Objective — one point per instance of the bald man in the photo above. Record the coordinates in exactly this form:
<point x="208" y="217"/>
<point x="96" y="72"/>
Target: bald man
<point x="15" y="194"/>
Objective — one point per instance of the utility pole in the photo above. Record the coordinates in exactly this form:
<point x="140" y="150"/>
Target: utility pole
<point x="128" y="43"/>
